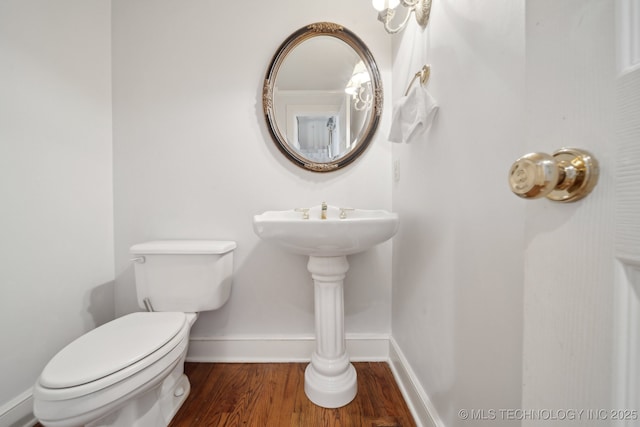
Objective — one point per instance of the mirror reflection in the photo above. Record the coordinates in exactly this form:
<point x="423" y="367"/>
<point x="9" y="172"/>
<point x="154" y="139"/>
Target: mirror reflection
<point x="322" y="97"/>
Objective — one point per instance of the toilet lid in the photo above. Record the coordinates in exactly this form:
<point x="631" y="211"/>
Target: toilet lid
<point x="111" y="347"/>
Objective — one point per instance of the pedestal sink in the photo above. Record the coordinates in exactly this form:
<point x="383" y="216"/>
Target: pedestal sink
<point x="330" y="379"/>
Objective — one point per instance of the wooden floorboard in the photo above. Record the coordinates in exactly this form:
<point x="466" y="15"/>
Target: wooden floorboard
<point x="272" y="394"/>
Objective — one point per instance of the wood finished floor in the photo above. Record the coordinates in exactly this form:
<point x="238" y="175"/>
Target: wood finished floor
<point x="272" y="394"/>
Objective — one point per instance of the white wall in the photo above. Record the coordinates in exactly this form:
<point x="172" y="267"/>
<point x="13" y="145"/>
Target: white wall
<point x="56" y="219"/>
<point x="458" y="258"/>
<point x="193" y="157"/>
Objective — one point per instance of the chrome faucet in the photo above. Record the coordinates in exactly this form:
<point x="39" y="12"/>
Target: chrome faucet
<point x="323" y="215"/>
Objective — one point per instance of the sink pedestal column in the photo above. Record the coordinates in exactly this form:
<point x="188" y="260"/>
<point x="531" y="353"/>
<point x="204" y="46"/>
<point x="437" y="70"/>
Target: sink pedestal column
<point x="330" y="379"/>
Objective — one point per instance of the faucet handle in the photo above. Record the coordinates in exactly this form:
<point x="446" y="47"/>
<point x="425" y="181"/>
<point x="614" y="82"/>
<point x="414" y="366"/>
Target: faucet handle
<point x="343" y="212"/>
<point x="305" y="212"/>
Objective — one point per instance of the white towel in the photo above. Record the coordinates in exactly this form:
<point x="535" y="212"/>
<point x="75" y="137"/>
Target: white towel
<point x="412" y="115"/>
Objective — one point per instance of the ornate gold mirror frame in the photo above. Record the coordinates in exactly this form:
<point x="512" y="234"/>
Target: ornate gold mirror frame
<point x="368" y="106"/>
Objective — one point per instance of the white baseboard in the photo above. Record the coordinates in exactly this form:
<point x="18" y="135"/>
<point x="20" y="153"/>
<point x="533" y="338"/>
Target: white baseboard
<point x="275" y="349"/>
<point x="424" y="413"/>
<point x="18" y="412"/>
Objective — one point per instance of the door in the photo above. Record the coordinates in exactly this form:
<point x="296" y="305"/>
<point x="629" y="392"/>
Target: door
<point x="627" y="245"/>
<point x="581" y="343"/>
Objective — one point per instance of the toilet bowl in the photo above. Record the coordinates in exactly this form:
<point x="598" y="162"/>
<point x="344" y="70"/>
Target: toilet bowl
<point x="130" y="371"/>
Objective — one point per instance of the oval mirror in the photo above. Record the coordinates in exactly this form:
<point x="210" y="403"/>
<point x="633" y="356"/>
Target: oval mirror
<point x="322" y="97"/>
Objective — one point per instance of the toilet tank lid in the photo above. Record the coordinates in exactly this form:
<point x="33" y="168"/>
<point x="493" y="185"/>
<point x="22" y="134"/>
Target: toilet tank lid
<point x="184" y="247"/>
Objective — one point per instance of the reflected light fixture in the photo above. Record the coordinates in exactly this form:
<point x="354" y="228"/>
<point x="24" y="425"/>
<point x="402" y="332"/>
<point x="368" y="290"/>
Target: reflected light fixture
<point x="359" y="87"/>
<point x="387" y="11"/>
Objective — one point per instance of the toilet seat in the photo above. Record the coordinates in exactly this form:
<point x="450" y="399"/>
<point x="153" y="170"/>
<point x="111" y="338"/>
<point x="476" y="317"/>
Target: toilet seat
<point x="111" y="353"/>
<point x="77" y="405"/>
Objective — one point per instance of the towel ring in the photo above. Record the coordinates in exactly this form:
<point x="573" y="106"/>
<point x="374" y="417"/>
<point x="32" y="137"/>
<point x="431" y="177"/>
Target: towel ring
<point x="423" y="75"/>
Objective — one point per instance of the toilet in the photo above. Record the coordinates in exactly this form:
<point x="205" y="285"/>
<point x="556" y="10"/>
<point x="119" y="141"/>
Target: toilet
<point x="130" y="372"/>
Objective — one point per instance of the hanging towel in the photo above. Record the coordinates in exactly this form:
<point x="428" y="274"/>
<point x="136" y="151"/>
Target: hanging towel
<point x="412" y="115"/>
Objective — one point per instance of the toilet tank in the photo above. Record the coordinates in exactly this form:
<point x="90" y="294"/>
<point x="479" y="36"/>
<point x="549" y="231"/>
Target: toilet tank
<point x="183" y="275"/>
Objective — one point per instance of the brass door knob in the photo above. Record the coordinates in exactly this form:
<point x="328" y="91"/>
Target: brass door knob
<point x="566" y="176"/>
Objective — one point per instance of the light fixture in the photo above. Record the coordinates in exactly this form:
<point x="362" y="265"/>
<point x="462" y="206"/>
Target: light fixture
<point x="359" y="87"/>
<point x="387" y="10"/>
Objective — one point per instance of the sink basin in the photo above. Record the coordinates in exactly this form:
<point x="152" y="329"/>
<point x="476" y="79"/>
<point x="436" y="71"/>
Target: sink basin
<point x="330" y="380"/>
<point x="344" y="232"/>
